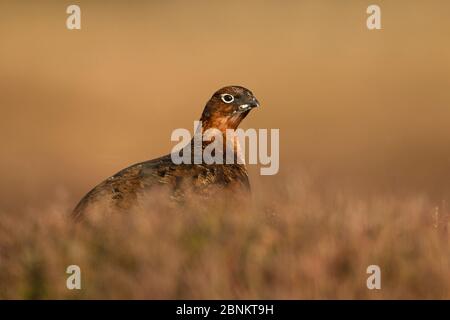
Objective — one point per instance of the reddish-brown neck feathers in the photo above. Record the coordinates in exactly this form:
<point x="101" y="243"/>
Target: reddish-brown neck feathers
<point x="222" y="122"/>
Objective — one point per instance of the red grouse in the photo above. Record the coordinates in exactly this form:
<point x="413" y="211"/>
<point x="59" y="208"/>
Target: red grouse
<point x="225" y="110"/>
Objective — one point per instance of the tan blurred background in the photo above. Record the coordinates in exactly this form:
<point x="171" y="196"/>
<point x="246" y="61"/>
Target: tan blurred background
<point x="368" y="108"/>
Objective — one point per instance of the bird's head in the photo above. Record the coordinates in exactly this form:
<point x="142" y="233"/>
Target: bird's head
<point x="228" y="107"/>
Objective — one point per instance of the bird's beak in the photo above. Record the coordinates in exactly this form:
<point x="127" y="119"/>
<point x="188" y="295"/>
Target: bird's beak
<point x="248" y="106"/>
<point x="255" y="103"/>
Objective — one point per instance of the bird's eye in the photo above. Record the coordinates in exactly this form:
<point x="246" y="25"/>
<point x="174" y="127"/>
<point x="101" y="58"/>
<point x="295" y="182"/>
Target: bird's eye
<point x="227" y="98"/>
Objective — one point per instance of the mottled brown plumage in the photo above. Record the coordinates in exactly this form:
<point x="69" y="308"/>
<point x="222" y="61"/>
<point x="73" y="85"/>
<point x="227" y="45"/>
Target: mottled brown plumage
<point x="225" y="110"/>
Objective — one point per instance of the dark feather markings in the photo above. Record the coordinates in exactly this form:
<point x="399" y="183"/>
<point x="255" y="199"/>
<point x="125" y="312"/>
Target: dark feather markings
<point x="123" y="188"/>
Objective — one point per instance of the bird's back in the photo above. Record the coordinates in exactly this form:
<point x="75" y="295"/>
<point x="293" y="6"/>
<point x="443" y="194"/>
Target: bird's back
<point x="122" y="190"/>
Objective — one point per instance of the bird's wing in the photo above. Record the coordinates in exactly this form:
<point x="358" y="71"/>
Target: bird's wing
<point x="121" y="190"/>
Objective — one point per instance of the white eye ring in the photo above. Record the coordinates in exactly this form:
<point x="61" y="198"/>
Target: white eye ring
<point x="227" y="98"/>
